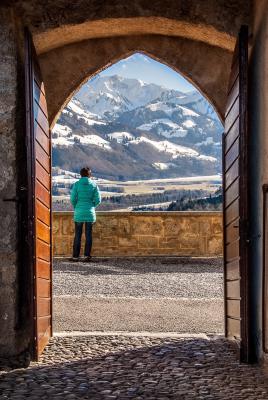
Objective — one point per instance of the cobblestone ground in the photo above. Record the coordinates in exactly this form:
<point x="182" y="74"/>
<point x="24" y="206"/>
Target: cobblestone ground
<point x="121" y="367"/>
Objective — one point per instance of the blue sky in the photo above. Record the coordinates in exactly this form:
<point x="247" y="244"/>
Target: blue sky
<point x="140" y="66"/>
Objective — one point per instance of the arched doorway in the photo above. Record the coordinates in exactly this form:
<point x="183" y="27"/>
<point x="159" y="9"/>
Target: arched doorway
<point x="236" y="191"/>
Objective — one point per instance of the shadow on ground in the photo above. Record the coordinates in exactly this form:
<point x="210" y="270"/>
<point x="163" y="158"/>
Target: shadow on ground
<point x="124" y="266"/>
<point x="114" y="367"/>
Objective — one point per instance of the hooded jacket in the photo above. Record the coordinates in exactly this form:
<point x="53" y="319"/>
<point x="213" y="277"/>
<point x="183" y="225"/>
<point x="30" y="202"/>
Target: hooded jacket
<point x="85" y="196"/>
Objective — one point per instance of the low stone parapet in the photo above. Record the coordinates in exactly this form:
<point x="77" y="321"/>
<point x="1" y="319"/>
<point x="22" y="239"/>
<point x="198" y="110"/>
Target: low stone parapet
<point x="162" y="233"/>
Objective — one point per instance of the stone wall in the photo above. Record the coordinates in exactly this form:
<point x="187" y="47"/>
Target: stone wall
<point x="258" y="168"/>
<point x="80" y="61"/>
<point x="145" y="233"/>
<point x="13" y="324"/>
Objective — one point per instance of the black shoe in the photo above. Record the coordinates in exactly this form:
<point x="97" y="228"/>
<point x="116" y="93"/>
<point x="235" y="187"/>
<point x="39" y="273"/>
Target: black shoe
<point x="74" y="259"/>
<point x="87" y="259"/>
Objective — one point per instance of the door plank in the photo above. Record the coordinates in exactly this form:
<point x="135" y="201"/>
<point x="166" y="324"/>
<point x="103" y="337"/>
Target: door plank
<point x="42" y="157"/>
<point x="42" y="194"/>
<point x="42" y="138"/>
<point x="43" y="269"/>
<point x="42" y="213"/>
<point x="232" y="192"/>
<point x="233" y="289"/>
<point x="232" y="135"/>
<point x="232" y="250"/>
<point x="40" y="117"/>
<point x="232" y="232"/>
<point x="233" y="328"/>
<point x="40" y="98"/>
<point x="233" y="308"/>
<point x="232" y="116"/>
<point x="42" y="250"/>
<point x="43" y="307"/>
<point x="42" y="231"/>
<point x="232" y="155"/>
<point x="231" y="212"/>
<point x="43" y="287"/>
<point x="233" y="271"/>
<point x="232" y="173"/>
<point x="232" y="96"/>
<point x="42" y="175"/>
<point x="234" y="72"/>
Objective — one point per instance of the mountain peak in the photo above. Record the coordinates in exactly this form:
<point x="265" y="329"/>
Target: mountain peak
<point x="142" y="129"/>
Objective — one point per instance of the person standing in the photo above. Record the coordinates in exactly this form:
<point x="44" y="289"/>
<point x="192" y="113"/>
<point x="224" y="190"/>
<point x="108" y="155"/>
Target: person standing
<point x="85" y="197"/>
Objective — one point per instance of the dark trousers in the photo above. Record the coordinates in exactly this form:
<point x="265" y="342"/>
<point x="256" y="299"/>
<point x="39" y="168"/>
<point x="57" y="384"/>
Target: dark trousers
<point x="78" y="236"/>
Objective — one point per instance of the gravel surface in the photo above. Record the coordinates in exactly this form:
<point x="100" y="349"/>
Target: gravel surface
<point x="152" y="294"/>
<point x="149" y="315"/>
<point x="120" y="368"/>
<point x="146" y="278"/>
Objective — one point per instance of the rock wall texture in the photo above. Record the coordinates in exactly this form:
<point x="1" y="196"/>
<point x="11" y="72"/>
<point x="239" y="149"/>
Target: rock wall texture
<point x="8" y="211"/>
<point x="57" y="23"/>
<point x="81" y="61"/>
<point x="145" y="234"/>
<point x="196" y="38"/>
<point x="258" y="170"/>
<point x="14" y="326"/>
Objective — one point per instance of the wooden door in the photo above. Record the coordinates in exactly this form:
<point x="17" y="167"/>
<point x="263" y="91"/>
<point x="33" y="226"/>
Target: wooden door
<point x="265" y="269"/>
<point x="39" y="200"/>
<point x="235" y="207"/>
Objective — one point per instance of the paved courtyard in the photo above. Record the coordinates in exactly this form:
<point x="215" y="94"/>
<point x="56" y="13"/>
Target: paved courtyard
<point x="152" y="302"/>
<point x="139" y="294"/>
<point x="136" y="367"/>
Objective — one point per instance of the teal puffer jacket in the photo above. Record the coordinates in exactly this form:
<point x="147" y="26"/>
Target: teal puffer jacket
<point x="85" y="196"/>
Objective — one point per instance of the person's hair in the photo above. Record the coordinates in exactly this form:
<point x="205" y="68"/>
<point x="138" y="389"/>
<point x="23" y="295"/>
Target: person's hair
<point x="86" y="171"/>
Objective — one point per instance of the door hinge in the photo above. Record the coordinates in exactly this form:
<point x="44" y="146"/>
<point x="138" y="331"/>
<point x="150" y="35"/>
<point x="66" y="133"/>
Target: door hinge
<point x="15" y="199"/>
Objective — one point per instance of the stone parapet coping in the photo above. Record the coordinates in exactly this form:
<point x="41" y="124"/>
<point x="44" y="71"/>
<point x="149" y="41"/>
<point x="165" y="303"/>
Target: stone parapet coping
<point x="149" y="213"/>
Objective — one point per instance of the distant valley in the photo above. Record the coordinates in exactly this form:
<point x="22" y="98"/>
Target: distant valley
<point x="128" y="131"/>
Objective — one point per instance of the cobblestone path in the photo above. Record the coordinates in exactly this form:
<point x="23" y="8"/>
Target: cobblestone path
<point x="121" y="367"/>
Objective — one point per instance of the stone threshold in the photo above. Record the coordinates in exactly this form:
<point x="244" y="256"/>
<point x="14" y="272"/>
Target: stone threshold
<point x="205" y="336"/>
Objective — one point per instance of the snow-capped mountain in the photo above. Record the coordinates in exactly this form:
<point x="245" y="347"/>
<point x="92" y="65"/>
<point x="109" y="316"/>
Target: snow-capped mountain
<point x="113" y="95"/>
<point x="133" y="130"/>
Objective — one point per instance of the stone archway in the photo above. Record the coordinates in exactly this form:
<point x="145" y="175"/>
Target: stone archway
<point x="82" y="60"/>
<point x="192" y="38"/>
<point x="207" y="24"/>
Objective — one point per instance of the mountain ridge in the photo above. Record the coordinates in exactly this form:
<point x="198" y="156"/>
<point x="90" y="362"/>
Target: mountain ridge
<point x="125" y="128"/>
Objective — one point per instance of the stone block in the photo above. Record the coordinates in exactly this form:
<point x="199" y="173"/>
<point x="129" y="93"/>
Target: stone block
<point x="172" y="226"/>
<point x="216" y="226"/>
<point x="192" y="242"/>
<point x="104" y="252"/>
<point x="56" y="222"/>
<point x="97" y="227"/>
<point x="215" y="245"/>
<point x="96" y="234"/>
<point x="106" y="242"/>
<point x="148" y="242"/>
<point x="124" y="226"/>
<point x="108" y="226"/>
<point x="169" y="242"/>
<point x="67" y="226"/>
<point x="205" y="227"/>
<point x="147" y="226"/>
<point x="127" y="242"/>
<point x="190" y="225"/>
